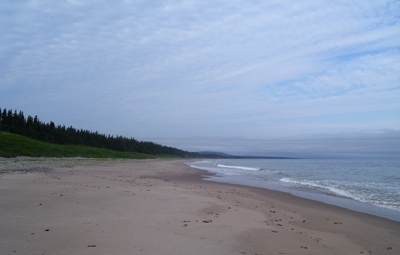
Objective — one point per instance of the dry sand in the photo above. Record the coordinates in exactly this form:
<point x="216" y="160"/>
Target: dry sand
<point x="78" y="206"/>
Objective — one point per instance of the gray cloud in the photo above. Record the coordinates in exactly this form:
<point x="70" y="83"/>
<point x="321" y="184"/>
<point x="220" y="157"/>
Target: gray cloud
<point x="203" y="68"/>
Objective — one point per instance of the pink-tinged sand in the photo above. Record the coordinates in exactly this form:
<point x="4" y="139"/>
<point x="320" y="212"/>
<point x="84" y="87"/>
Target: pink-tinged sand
<point x="164" y="207"/>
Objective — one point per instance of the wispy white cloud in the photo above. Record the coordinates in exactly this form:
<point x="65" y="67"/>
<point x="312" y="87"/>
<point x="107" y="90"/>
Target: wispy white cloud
<point x="234" y="68"/>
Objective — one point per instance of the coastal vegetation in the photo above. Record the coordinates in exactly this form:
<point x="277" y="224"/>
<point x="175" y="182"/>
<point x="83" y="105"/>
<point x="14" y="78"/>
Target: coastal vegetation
<point x="12" y="145"/>
<point x="51" y="140"/>
<point x="28" y="136"/>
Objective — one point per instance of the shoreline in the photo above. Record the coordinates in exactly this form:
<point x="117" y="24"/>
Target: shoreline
<point x="165" y="207"/>
<point x="317" y="195"/>
<point x="322" y="194"/>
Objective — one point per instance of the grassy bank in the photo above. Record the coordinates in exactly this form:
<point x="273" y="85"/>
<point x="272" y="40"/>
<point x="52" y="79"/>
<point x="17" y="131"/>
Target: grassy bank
<point x="12" y="145"/>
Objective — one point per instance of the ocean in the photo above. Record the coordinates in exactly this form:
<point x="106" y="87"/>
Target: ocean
<point x="365" y="185"/>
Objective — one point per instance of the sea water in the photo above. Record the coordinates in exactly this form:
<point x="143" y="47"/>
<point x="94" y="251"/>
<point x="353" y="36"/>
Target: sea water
<point x="369" y="186"/>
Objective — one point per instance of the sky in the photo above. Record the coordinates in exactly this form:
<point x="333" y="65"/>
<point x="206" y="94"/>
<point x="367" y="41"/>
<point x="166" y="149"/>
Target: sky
<point x="259" y="77"/>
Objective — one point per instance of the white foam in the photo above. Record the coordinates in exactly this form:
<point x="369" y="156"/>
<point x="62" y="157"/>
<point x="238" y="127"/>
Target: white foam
<point x="239" y="167"/>
<point x="349" y="192"/>
<point x="339" y="178"/>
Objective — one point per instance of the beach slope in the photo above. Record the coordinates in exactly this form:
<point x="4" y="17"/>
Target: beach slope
<point x="55" y="206"/>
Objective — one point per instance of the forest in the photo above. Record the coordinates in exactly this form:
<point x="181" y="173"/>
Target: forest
<point x="15" y="122"/>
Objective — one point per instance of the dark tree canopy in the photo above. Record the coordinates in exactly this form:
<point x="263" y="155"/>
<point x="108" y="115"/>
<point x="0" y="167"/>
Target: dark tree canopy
<point x="15" y="122"/>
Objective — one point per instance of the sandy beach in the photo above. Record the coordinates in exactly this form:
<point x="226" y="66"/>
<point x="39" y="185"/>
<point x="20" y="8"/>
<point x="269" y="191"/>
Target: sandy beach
<point x="81" y="206"/>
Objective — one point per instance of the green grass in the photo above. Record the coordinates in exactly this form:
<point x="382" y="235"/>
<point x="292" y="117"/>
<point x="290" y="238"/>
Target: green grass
<point x="12" y="145"/>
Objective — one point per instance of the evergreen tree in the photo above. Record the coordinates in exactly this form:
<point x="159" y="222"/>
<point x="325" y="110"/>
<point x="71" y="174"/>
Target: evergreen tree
<point x="15" y="122"/>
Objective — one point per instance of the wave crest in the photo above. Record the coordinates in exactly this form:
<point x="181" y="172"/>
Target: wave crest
<point x="239" y="167"/>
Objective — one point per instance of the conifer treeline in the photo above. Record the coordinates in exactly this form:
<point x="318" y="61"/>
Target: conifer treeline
<point x="15" y="122"/>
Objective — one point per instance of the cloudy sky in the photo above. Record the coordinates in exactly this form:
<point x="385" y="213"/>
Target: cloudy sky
<point x="270" y="77"/>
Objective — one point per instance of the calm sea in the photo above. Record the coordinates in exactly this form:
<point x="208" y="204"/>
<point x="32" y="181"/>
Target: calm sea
<point x="369" y="186"/>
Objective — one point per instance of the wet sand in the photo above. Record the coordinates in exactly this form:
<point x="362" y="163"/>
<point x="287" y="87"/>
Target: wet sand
<point x="80" y="206"/>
